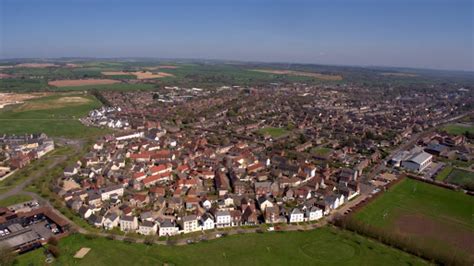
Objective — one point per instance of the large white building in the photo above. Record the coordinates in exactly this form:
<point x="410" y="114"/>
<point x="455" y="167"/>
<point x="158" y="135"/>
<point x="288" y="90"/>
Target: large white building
<point x="417" y="162"/>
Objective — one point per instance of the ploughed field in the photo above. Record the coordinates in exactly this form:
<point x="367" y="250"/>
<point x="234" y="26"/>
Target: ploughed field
<point x="432" y="218"/>
<point x="55" y="115"/>
<point x="324" y="246"/>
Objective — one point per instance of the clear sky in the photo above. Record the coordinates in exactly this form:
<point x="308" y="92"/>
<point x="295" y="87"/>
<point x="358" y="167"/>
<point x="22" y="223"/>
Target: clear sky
<point x="412" y="33"/>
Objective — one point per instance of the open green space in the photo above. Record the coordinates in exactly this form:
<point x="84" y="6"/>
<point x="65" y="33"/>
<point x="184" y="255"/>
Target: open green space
<point x="37" y="165"/>
<point x="117" y="86"/>
<point x="55" y="115"/>
<point x="275" y="132"/>
<point x="321" y="151"/>
<point x="14" y="200"/>
<point x="432" y="218"/>
<point x="459" y="129"/>
<point x="460" y="177"/>
<point x="325" y="246"/>
<point x="443" y="174"/>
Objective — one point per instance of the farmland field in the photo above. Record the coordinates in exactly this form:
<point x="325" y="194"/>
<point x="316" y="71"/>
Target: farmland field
<point x="117" y="86"/>
<point x="434" y="218"/>
<point x="55" y="115"/>
<point x="325" y="246"/>
<point x="275" y="132"/>
<point x="139" y="74"/>
<point x="81" y="82"/>
<point x="300" y="73"/>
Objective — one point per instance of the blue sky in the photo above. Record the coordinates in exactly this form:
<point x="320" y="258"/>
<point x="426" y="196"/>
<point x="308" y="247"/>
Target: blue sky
<point x="412" y="33"/>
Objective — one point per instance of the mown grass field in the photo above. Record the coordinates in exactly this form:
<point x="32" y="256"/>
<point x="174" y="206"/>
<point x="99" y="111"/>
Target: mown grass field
<point x="443" y="174"/>
<point x="325" y="246"/>
<point x="433" y="217"/>
<point x="55" y="115"/>
<point x="460" y="177"/>
<point x="275" y="132"/>
<point x="458" y="129"/>
<point x="14" y="200"/>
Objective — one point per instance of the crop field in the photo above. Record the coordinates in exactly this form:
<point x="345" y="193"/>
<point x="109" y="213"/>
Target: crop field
<point x="300" y="73"/>
<point x="139" y="74"/>
<point x="325" y="246"/>
<point x="434" y="218"/>
<point x="275" y="132"/>
<point x="55" y="115"/>
<point x="117" y="86"/>
<point x="81" y="82"/>
<point x="76" y="76"/>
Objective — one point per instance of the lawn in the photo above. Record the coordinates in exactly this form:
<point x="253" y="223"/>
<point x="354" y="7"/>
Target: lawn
<point x="14" y="200"/>
<point x="458" y="129"/>
<point x="443" y="174"/>
<point x="434" y="218"/>
<point x="275" y="132"/>
<point x="321" y="151"/>
<point x="460" y="177"/>
<point x="325" y="246"/>
<point x="55" y="115"/>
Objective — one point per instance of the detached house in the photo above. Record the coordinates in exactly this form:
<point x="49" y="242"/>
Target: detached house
<point x="107" y="192"/>
<point x="314" y="213"/>
<point x="207" y="222"/>
<point x="128" y="223"/>
<point x="190" y="223"/>
<point x="296" y="216"/>
<point x="168" y="228"/>
<point x="147" y="228"/>
<point x="111" y="221"/>
<point x="223" y="219"/>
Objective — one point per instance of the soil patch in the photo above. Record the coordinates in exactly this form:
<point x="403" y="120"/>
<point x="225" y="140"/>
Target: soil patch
<point x="425" y="227"/>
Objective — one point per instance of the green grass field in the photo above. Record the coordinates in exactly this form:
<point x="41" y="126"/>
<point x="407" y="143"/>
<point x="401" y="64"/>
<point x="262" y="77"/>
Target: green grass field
<point x="275" y="132"/>
<point x="54" y="115"/>
<point x="117" y="86"/>
<point x="325" y="246"/>
<point x="186" y="75"/>
<point x="458" y="129"/>
<point x="460" y="177"/>
<point x="434" y="217"/>
<point x="23" y="173"/>
<point x="443" y="174"/>
<point x="14" y="200"/>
